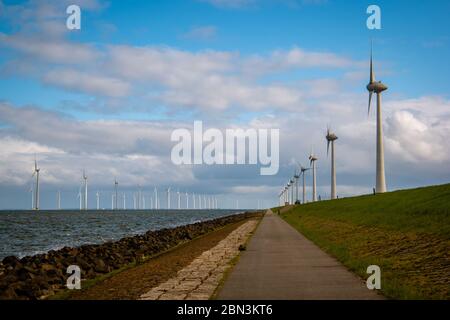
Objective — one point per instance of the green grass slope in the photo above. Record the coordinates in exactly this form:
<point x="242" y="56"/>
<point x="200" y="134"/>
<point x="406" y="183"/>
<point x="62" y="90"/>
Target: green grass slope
<point x="406" y="233"/>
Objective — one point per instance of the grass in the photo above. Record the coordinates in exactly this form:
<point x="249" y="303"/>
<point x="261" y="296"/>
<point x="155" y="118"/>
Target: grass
<point x="406" y="233"/>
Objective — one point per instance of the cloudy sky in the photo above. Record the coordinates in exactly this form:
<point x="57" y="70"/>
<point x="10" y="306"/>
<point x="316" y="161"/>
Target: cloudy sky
<point x="106" y="98"/>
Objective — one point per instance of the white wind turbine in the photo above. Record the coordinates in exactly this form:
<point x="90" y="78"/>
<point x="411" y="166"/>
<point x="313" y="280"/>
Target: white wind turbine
<point x="187" y="200"/>
<point x="58" y="200"/>
<point x="179" y="199"/>
<point x="116" y="185"/>
<point x="124" y="201"/>
<point x="36" y="192"/>
<point x="193" y="200"/>
<point x="378" y="87"/>
<point x="303" y="172"/>
<point x="168" y="198"/>
<point x="312" y="161"/>
<point x="331" y="137"/>
<point x="79" y="196"/>
<point x="296" y="177"/>
<point x="156" y="198"/>
<point x="85" y="178"/>
<point x="97" y="195"/>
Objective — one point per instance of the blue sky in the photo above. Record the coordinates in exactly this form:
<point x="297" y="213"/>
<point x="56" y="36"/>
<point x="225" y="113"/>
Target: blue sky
<point x="164" y="64"/>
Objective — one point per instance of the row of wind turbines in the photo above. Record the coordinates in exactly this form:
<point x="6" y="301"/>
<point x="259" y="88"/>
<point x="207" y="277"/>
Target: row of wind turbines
<point x="286" y="196"/>
<point x="119" y="200"/>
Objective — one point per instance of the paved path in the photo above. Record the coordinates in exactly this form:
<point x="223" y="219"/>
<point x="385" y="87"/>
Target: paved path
<point x="280" y="263"/>
<point x="200" y="278"/>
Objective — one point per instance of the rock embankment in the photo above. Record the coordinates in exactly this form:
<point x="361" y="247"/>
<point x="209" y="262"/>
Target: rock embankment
<point x="39" y="276"/>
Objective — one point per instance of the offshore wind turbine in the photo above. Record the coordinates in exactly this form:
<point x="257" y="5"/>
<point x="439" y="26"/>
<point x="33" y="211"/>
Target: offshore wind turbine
<point x="58" y="200"/>
<point x="168" y="198"/>
<point x="193" y="200"/>
<point x="312" y="161"/>
<point x="36" y="192"/>
<point x="331" y="137"/>
<point x="97" y="195"/>
<point x="85" y="178"/>
<point x="187" y="200"/>
<point x="377" y="87"/>
<point x="124" y="201"/>
<point x="116" y="185"/>
<point x="156" y="198"/>
<point x="179" y="199"/>
<point x="81" y="198"/>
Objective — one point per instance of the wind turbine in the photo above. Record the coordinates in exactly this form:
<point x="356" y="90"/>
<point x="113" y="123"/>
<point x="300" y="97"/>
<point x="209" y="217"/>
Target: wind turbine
<point x="98" y="200"/>
<point x="168" y="198"/>
<point x="124" y="201"/>
<point x="156" y="198"/>
<point x="193" y="200"/>
<point x="58" y="200"/>
<point x="85" y="178"/>
<point x="116" y="185"/>
<point x="179" y="199"/>
<point x="378" y="87"/>
<point x="187" y="200"/>
<point x="36" y="193"/>
<point x="331" y="137"/>
<point x="312" y="161"/>
<point x="303" y="172"/>
<point x="296" y="177"/>
<point x="81" y="198"/>
<point x="199" y="201"/>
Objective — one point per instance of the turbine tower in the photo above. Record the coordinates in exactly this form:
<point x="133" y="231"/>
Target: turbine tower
<point x="377" y="87"/>
<point x="85" y="178"/>
<point x="36" y="192"/>
<point x="291" y="183"/>
<point x="116" y="184"/>
<point x="81" y="198"/>
<point x="98" y="200"/>
<point x="187" y="200"/>
<point x="179" y="199"/>
<point x="156" y="198"/>
<point x="331" y="137"/>
<point x="296" y="176"/>
<point x="58" y="200"/>
<point x="168" y="198"/>
<point x="312" y="161"/>
<point x="193" y="200"/>
<point x="303" y="172"/>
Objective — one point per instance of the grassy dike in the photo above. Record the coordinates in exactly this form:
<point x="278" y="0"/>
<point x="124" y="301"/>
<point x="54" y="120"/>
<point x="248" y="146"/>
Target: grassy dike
<point x="406" y="233"/>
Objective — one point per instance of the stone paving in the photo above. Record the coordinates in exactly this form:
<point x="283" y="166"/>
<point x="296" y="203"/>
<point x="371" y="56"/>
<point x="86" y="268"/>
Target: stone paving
<point x="199" y="280"/>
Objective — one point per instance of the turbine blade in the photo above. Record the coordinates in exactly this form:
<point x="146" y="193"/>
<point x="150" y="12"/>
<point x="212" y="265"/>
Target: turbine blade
<point x="370" y="100"/>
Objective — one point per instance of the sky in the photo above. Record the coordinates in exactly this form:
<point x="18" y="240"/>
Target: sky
<point x="107" y="97"/>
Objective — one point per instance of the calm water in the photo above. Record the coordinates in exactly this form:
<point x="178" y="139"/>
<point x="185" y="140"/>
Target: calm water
<point x="24" y="233"/>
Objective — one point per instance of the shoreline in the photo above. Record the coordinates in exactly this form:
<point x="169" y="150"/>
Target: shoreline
<point x="43" y="275"/>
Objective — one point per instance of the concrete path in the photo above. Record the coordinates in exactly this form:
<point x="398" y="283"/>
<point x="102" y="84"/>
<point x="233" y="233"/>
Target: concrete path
<point x="280" y="263"/>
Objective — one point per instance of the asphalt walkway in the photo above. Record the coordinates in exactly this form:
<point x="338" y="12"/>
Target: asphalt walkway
<point x="280" y="263"/>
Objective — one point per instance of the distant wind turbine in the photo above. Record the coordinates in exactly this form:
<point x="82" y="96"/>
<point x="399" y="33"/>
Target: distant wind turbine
<point x="187" y="200"/>
<point x="85" y="178"/>
<point x="168" y="198"/>
<point x="98" y="200"/>
<point x="312" y="162"/>
<point x="116" y="185"/>
<point x="36" y="192"/>
<point x="303" y="172"/>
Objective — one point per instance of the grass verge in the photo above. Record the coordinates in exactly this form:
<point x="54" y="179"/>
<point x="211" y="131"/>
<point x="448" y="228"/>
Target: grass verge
<point x="406" y="233"/>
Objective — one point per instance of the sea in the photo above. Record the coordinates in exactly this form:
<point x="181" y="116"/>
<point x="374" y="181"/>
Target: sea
<point x="25" y="233"/>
